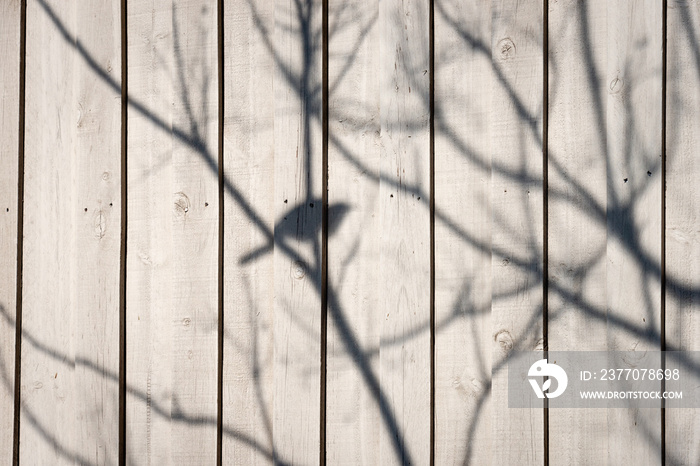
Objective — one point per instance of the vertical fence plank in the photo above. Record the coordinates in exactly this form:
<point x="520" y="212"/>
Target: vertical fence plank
<point x="404" y="196"/>
<point x="577" y="199"/>
<point x="633" y="128"/>
<point x="149" y="302"/>
<point x="70" y="335"/>
<point x="297" y="232"/>
<point x="682" y="207"/>
<point x="51" y="210"/>
<point x="353" y="418"/>
<point x="517" y="218"/>
<point x="172" y="341"/>
<point x="605" y="205"/>
<point x="249" y="223"/>
<point x="98" y="230"/>
<point x="9" y="125"/>
<point x="10" y="13"/>
<point x="195" y="216"/>
<point x="463" y="333"/>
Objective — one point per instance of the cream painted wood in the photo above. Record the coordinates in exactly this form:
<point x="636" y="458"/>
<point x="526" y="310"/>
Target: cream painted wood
<point x="9" y="178"/>
<point x="463" y="148"/>
<point x="249" y="158"/>
<point x="298" y="172"/>
<point x="404" y="219"/>
<point x="172" y="265"/>
<point x="353" y="415"/>
<point x="70" y="309"/>
<point x="682" y="207"/>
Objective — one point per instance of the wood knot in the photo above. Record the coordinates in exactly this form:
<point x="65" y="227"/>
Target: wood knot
<point x="298" y="270"/>
<point x="506" y="48"/>
<point x="616" y="85"/>
<point x="504" y="340"/>
<point x="182" y="204"/>
<point x="539" y="346"/>
<point x="99" y="224"/>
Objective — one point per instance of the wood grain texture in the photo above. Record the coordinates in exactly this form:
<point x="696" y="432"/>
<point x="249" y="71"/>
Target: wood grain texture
<point x="353" y="416"/>
<point x="99" y="231"/>
<point x="682" y="215"/>
<point x="70" y="335"/>
<point x="404" y="196"/>
<point x="298" y="210"/>
<point x="172" y="271"/>
<point x="249" y="222"/>
<point x="51" y="208"/>
<point x="577" y="169"/>
<point x="463" y="329"/>
<point x="9" y="162"/>
<point x="149" y="304"/>
<point x="633" y="253"/>
<point x="605" y="210"/>
<point x="517" y="218"/>
<point x="604" y="227"/>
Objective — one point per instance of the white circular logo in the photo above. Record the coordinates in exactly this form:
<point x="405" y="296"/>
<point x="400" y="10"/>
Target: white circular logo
<point x="542" y="369"/>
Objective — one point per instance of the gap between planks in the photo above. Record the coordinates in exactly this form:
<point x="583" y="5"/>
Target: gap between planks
<point x="545" y="211"/>
<point x="664" y="55"/>
<point x="122" y="247"/>
<point x="220" y="265"/>
<point x="431" y="64"/>
<point x="20" y="230"/>
<point x="324" y="232"/>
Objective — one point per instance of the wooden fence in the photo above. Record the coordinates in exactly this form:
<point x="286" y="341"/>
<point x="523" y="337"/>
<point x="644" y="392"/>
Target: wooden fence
<point x="303" y="231"/>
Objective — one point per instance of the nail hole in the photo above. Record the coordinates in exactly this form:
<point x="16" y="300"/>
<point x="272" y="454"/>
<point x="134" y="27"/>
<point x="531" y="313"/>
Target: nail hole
<point x="85" y="209"/>
<point x="648" y="173"/>
<point x="311" y="205"/>
<point x="625" y="180"/>
<point x="285" y="201"/>
<point x="206" y="204"/>
<point x="391" y="195"/>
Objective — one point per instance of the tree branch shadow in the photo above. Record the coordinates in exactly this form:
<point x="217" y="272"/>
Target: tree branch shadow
<point x="618" y="216"/>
